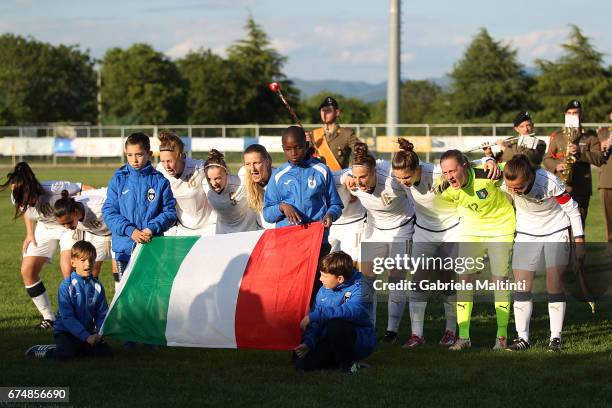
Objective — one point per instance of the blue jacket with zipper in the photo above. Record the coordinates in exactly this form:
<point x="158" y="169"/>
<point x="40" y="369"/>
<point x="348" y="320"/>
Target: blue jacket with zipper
<point x="137" y="199"/>
<point x="82" y="306"/>
<point x="308" y="186"/>
<point x="344" y="302"/>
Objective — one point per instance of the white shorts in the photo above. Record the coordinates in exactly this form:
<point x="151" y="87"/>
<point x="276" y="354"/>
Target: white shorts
<point x="347" y="237"/>
<point x="48" y="236"/>
<point x="102" y="243"/>
<point x="385" y="243"/>
<point x="448" y="235"/>
<point x="182" y="231"/>
<point x="536" y="253"/>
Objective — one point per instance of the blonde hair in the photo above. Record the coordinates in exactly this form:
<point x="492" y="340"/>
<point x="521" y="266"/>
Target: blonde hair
<point x="255" y="191"/>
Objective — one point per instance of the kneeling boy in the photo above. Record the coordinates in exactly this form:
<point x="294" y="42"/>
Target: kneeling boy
<point x="81" y="311"/>
<point x="339" y="330"/>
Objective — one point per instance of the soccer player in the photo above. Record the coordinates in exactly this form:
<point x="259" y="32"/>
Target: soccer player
<point x="546" y="217"/>
<point x="34" y="201"/>
<point x="84" y="215"/>
<point x="436" y="234"/>
<point x="389" y="228"/>
<point x="255" y="175"/>
<point x="487" y="226"/>
<point x="227" y="196"/>
<point x="194" y="216"/>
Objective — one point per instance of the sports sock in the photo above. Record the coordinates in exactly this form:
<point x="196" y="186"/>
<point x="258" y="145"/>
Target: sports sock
<point x="117" y="280"/>
<point x="523" y="307"/>
<point x="465" y="303"/>
<point x="417" y="307"/>
<point x="396" y="304"/>
<point x="39" y="296"/>
<point x="556" y="313"/>
<point x="502" y="312"/>
<point x="369" y="296"/>
<point x="450" y="312"/>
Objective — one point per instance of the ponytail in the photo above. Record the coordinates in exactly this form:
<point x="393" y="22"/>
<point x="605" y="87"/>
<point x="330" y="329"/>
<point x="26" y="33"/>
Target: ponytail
<point x="26" y="188"/>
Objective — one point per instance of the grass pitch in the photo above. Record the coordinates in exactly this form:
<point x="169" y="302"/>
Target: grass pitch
<point x="430" y="376"/>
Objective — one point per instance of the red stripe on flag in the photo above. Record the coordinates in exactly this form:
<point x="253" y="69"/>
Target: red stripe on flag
<point x="276" y="287"/>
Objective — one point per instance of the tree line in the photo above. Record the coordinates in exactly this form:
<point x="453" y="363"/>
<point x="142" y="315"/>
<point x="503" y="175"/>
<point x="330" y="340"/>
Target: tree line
<point x="41" y="83"/>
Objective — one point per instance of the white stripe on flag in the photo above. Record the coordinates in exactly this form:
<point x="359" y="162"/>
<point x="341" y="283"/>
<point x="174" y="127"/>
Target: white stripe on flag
<point x="202" y="307"/>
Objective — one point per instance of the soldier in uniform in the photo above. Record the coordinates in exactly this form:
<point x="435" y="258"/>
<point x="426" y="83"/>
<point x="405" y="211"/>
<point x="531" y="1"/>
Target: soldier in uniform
<point x="523" y="125"/>
<point x="587" y="151"/>
<point x="605" y="178"/>
<point x="334" y="143"/>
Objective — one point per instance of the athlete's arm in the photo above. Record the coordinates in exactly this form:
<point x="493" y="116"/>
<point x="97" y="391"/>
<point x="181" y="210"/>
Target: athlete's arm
<point x="570" y="207"/>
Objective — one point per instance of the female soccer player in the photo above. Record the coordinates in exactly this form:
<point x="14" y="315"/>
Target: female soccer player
<point x="34" y="200"/>
<point x="255" y="175"/>
<point x="389" y="229"/>
<point x="436" y="234"/>
<point x="83" y="214"/>
<point x="227" y="197"/>
<point x="187" y="178"/>
<point x="487" y="226"/>
<point x="546" y="217"/>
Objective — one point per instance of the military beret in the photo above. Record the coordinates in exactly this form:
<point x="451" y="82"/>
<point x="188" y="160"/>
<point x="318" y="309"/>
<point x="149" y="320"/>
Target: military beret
<point x="521" y="117"/>
<point x="329" y="101"/>
<point x="573" y="104"/>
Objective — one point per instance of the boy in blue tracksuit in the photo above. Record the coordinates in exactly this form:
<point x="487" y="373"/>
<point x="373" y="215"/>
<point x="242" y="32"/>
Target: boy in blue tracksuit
<point x="338" y="330"/>
<point x="139" y="202"/>
<point x="303" y="189"/>
<point x="82" y="308"/>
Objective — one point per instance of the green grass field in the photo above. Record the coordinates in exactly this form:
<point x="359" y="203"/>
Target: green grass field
<point x="430" y="376"/>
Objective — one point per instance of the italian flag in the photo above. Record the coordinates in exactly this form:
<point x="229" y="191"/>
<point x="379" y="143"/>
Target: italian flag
<point x="245" y="290"/>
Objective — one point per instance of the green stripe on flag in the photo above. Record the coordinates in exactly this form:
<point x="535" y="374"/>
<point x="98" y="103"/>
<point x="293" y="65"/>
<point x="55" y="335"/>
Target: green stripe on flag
<point x="140" y="312"/>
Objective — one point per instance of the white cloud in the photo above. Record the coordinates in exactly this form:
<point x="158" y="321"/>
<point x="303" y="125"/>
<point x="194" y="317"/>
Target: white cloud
<point x="539" y="43"/>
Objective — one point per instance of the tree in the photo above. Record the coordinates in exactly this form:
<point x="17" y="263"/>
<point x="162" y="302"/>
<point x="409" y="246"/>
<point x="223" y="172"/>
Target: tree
<point x="43" y="83"/>
<point x="141" y="85"/>
<point x="488" y="84"/>
<point x="578" y="74"/>
<point x="353" y="110"/>
<point x="212" y="96"/>
<point x="254" y="65"/>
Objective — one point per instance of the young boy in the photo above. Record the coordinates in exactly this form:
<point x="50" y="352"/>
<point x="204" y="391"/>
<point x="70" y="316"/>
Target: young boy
<point x="139" y="202"/>
<point x="303" y="189"/>
<point x="81" y="311"/>
<point x="339" y="330"/>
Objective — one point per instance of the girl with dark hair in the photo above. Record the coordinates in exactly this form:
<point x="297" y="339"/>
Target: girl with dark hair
<point x="227" y="196"/>
<point x="34" y="201"/>
<point x="83" y="214"/>
<point x="546" y="218"/>
<point x="389" y="226"/>
<point x="194" y="215"/>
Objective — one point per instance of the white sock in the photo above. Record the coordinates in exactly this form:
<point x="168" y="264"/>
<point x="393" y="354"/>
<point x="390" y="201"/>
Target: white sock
<point x="39" y="296"/>
<point x="450" y="311"/>
<point x="395" y="309"/>
<point x="522" y="317"/>
<point x="369" y="296"/>
<point x="417" y="317"/>
<point x="556" y="312"/>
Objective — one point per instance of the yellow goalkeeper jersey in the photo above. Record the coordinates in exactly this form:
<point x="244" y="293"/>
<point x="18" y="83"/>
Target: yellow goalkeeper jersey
<point x="484" y="209"/>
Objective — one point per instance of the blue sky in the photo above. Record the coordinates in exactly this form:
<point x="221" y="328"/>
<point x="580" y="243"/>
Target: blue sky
<point x="323" y="39"/>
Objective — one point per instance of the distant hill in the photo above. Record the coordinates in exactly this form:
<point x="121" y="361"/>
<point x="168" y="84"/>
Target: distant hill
<point x="365" y="91"/>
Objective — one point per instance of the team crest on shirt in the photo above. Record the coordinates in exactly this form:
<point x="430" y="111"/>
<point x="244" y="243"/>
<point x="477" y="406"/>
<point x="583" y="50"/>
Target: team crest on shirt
<point x="192" y="180"/>
<point x="347" y="296"/>
<point x="232" y="199"/>
<point x="312" y="182"/>
<point x="482" y="194"/>
<point x="151" y="195"/>
<point x="386" y="199"/>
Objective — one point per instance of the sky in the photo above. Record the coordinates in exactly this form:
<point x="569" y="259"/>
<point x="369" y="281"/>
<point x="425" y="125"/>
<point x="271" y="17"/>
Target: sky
<point x="341" y="40"/>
